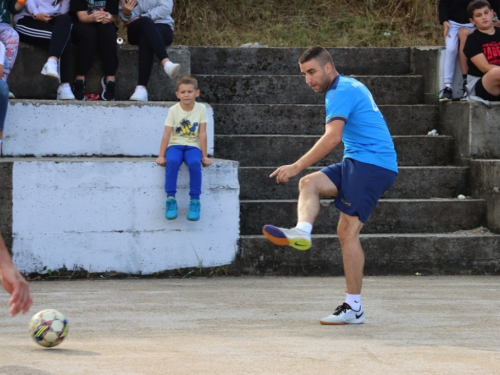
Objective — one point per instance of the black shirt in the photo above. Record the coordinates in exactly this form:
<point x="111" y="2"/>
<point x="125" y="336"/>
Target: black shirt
<point x="110" y="6"/>
<point x="456" y="10"/>
<point x="478" y="43"/>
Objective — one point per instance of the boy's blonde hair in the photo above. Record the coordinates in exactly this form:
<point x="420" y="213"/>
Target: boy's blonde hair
<point x="187" y="80"/>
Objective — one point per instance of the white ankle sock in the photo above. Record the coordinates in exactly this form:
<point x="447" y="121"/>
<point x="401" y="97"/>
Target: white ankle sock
<point x="304" y="226"/>
<point x="353" y="300"/>
<point x="448" y="85"/>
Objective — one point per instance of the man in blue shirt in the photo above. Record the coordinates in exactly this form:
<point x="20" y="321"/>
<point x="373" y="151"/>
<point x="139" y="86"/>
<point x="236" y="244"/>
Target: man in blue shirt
<point x="368" y="169"/>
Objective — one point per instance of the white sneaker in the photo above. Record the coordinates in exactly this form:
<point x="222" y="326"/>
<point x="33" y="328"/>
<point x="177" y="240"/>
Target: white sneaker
<point x="287" y="237"/>
<point x="171" y="69"/>
<point x="50" y="69"/>
<point x="11" y="95"/>
<point x="344" y="315"/>
<point x="64" y="92"/>
<point x="140" y="94"/>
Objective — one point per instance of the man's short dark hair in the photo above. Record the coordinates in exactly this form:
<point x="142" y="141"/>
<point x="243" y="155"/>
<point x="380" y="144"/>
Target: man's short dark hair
<point x="187" y="80"/>
<point x="477" y="4"/>
<point x="316" y="53"/>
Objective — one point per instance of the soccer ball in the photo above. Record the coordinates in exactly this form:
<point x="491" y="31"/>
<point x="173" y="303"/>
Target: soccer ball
<point x="48" y="328"/>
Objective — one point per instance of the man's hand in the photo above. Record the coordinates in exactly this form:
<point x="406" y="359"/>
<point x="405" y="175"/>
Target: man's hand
<point x="284" y="173"/>
<point x="15" y="284"/>
<point x="446" y="27"/>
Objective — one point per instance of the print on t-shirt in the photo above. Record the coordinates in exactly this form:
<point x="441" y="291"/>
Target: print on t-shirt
<point x="492" y="52"/>
<point x="95" y="6"/>
<point x="186" y="129"/>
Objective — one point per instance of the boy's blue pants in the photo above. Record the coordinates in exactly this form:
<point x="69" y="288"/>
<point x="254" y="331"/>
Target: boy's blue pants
<point x="190" y="155"/>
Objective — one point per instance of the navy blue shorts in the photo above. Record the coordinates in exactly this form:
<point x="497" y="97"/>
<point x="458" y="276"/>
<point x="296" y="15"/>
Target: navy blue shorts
<point x="360" y="186"/>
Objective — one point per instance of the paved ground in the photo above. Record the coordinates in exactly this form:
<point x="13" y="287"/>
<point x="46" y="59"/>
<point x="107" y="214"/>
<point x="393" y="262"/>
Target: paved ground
<point x="249" y="325"/>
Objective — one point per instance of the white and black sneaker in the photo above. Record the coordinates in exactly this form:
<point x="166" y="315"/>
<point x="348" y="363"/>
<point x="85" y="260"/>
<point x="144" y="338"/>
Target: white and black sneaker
<point x="446" y="94"/>
<point x="344" y="315"/>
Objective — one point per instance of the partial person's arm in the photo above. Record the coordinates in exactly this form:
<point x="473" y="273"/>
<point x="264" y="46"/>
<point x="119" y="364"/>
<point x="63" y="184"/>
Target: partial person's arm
<point x="15" y="6"/>
<point x="325" y="145"/>
<point x="202" y="134"/>
<point x="13" y="282"/>
<point x="162" y="11"/>
<point x="482" y="64"/>
<point x="161" y="160"/>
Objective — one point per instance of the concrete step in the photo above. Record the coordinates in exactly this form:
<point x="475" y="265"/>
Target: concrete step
<point x="386" y="254"/>
<point x="309" y="119"/>
<point x="108" y="214"/>
<point x="284" y="61"/>
<point x="412" y="183"/>
<point x="390" y="216"/>
<point x="276" y="150"/>
<point x="292" y="89"/>
<point x="93" y="128"/>
<point x="26" y="81"/>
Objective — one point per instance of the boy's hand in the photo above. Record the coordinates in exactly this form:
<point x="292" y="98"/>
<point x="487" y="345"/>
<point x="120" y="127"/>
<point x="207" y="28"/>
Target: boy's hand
<point x="15" y="284"/>
<point x="205" y="161"/>
<point x="446" y="27"/>
<point x="161" y="161"/>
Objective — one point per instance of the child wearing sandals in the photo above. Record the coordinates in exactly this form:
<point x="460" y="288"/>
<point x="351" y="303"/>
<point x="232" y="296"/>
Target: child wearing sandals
<point x="150" y="25"/>
<point x="46" y="23"/>
<point x="184" y="140"/>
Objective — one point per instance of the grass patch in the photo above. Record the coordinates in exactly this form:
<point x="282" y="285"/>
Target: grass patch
<point x="302" y="23"/>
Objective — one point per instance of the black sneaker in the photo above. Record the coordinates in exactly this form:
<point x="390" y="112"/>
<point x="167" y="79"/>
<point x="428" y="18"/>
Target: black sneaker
<point x="79" y="89"/>
<point x="446" y="94"/>
<point x="108" y="89"/>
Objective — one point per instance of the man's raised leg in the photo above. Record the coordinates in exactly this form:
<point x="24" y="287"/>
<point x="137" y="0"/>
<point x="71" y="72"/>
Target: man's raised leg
<point x="311" y="187"/>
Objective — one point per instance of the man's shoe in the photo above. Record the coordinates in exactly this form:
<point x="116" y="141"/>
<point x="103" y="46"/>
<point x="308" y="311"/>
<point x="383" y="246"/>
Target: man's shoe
<point x="140" y="94"/>
<point x="79" y="89"/>
<point x="64" y="92"/>
<point x="344" y="315"/>
<point x="171" y="69"/>
<point x="108" y="89"/>
<point x="171" y="209"/>
<point x="287" y="237"/>
<point x="446" y="94"/>
<point x="194" y="210"/>
<point x="50" y="69"/>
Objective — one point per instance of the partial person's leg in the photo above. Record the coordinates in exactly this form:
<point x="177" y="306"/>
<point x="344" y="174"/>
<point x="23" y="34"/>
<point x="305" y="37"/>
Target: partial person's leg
<point x="491" y="83"/>
<point x="175" y="157"/>
<point x="348" y="230"/>
<point x="10" y="38"/>
<point x="192" y="157"/>
<point x="4" y="104"/>
<point x="60" y="45"/>
<point x="451" y="54"/>
<point x="463" y="33"/>
<point x="109" y="59"/>
<point x="85" y="37"/>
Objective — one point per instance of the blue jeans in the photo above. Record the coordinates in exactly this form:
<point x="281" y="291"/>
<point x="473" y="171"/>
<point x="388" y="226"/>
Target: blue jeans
<point x="190" y="155"/>
<point x="4" y="102"/>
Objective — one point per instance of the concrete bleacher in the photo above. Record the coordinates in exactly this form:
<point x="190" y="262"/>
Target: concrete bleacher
<point x="80" y="189"/>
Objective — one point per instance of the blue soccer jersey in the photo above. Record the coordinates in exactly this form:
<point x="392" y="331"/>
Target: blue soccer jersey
<point x="366" y="136"/>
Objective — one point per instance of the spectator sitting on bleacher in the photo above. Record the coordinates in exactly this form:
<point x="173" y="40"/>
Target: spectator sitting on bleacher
<point x="46" y="23"/>
<point x="93" y="26"/>
<point x="457" y="26"/>
<point x="150" y="25"/>
<point x="482" y="49"/>
<point x="9" y="37"/>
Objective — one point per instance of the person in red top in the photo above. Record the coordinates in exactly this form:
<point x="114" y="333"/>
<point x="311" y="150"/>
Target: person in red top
<point x="482" y="49"/>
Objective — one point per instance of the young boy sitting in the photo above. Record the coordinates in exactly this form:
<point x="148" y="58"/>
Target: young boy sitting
<point x="184" y="140"/>
<point x="482" y="49"/>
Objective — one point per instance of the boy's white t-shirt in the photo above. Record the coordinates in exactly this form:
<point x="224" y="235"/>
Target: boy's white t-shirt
<point x="186" y="125"/>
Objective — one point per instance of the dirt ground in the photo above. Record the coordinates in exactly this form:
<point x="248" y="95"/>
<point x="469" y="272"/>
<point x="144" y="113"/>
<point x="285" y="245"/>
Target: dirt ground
<point x="269" y="325"/>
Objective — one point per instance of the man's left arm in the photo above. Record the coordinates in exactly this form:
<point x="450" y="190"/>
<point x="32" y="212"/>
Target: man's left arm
<point x="325" y="145"/>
